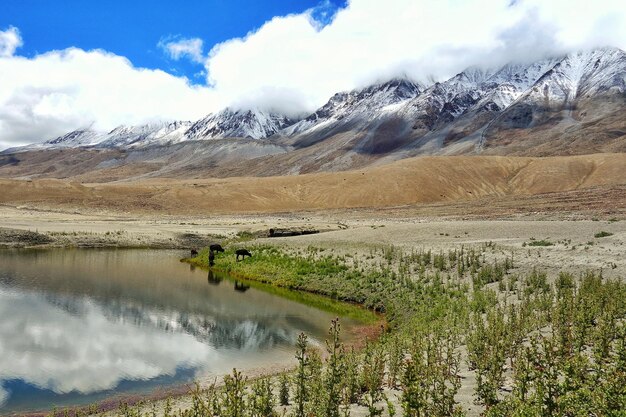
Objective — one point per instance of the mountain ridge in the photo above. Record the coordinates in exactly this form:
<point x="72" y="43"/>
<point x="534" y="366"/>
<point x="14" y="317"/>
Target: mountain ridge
<point x="560" y="105"/>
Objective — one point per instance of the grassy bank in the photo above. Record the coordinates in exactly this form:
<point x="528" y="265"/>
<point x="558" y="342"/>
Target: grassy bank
<point x="378" y="288"/>
<point x="317" y="300"/>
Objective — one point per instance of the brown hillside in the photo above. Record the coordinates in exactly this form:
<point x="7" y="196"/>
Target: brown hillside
<point x="407" y="182"/>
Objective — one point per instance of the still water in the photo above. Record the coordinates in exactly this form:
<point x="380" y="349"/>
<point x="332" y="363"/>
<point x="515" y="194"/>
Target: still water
<point x="78" y="326"/>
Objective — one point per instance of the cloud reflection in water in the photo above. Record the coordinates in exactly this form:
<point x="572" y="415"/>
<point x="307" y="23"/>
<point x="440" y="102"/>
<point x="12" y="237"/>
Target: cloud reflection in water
<point x="81" y="321"/>
<point x="53" y="349"/>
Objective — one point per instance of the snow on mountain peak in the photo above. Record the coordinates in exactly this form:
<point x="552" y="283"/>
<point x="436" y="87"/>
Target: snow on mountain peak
<point x="253" y="124"/>
<point x="360" y="103"/>
<point x="580" y="74"/>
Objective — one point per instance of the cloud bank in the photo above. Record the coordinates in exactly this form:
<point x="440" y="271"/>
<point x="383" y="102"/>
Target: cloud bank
<point x="53" y="93"/>
<point x="294" y="63"/>
<point x="421" y="39"/>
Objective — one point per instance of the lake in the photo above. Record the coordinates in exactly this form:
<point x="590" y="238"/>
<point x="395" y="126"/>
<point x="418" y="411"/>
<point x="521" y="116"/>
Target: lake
<point x="81" y="325"/>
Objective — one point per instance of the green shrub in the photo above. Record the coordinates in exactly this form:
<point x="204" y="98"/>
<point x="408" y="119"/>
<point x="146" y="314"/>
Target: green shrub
<point x="541" y="242"/>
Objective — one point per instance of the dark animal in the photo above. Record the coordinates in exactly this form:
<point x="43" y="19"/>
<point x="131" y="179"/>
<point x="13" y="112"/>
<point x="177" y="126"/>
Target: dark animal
<point x="211" y="258"/>
<point x="243" y="253"/>
<point x="194" y="252"/>
<point x="241" y="287"/>
<point x="216" y="247"/>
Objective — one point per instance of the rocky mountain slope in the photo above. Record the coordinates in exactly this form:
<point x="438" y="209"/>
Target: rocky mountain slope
<point x="573" y="104"/>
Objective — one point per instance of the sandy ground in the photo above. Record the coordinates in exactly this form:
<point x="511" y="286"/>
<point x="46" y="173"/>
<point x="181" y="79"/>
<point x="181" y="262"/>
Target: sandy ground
<point x="575" y="249"/>
<point x="92" y="229"/>
<point x="574" y="246"/>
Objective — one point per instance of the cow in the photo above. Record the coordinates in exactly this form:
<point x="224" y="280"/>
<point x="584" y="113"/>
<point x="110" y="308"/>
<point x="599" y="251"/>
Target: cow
<point x="216" y="247"/>
<point x="243" y="253"/>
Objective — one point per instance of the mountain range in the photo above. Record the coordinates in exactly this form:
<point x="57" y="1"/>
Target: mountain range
<point x="573" y="104"/>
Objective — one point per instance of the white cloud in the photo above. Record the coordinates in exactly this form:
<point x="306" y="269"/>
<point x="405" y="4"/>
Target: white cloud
<point x="53" y="93"/>
<point x="10" y="40"/>
<point x="180" y="48"/>
<point x="295" y="63"/>
<point x="422" y="39"/>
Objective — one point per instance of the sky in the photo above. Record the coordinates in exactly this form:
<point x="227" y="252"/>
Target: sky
<point x="74" y="64"/>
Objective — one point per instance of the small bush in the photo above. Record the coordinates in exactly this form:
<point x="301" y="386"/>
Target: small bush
<point x="602" y="234"/>
<point x="541" y="242"/>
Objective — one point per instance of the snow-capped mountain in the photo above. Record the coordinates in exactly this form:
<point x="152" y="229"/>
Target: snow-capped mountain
<point x="77" y="138"/>
<point x="568" y="83"/>
<point x="251" y="124"/>
<point x="582" y="74"/>
<point x="143" y="135"/>
<point x="358" y="105"/>
<point x="228" y="123"/>
<point x="120" y="137"/>
<point x="558" y="105"/>
<point x="557" y="102"/>
<point x="476" y="90"/>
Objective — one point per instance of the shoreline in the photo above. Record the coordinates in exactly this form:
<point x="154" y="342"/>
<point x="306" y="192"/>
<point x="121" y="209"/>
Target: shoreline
<point x="178" y="394"/>
<point x="318" y="299"/>
<point x="574" y="248"/>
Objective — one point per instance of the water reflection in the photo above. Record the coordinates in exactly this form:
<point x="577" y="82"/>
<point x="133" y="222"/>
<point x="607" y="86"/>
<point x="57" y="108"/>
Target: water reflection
<point x="52" y="348"/>
<point x="80" y="322"/>
<point x="214" y="279"/>
<point x="241" y="287"/>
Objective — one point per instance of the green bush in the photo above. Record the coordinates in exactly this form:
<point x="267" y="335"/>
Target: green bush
<point x="541" y="242"/>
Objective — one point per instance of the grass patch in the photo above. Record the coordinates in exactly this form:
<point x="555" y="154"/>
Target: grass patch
<point x="602" y="234"/>
<point x="379" y="290"/>
<point x="296" y="278"/>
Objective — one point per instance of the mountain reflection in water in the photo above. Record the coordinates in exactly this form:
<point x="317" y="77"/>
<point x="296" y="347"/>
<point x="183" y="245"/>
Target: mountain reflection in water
<point x="76" y="323"/>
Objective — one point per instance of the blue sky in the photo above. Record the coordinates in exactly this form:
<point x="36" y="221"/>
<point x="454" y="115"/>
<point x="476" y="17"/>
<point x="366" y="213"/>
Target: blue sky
<point x="134" y="28"/>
